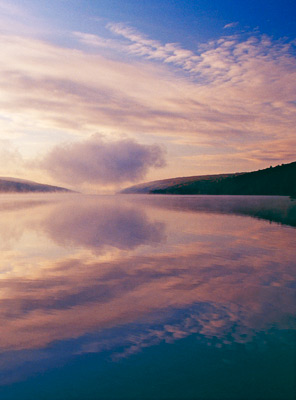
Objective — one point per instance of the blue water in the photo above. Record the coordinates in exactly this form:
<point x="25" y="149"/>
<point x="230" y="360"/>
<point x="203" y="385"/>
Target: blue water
<point x="147" y="297"/>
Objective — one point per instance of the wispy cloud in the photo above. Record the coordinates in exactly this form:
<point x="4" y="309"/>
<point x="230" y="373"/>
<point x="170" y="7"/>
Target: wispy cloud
<point x="230" y="25"/>
<point x="236" y="93"/>
<point x="240" y="88"/>
<point x="96" y="41"/>
<point x="153" y="49"/>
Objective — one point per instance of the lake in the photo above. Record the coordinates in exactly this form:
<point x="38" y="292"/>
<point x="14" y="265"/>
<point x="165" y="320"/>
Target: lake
<point x="147" y="297"/>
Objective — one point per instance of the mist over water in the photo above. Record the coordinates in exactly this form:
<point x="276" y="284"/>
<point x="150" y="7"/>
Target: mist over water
<point x="175" y="284"/>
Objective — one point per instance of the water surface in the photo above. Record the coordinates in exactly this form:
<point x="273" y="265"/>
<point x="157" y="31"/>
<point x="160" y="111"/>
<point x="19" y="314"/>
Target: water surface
<point x="147" y="297"/>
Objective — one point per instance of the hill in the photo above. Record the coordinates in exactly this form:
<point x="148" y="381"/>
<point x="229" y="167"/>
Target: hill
<point x="163" y="184"/>
<point x="14" y="185"/>
<point x="276" y="181"/>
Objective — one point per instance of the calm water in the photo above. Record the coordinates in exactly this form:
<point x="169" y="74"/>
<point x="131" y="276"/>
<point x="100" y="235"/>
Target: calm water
<point x="147" y="297"/>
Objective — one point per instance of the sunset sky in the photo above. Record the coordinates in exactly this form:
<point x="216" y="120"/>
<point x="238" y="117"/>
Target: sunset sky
<point x="101" y="94"/>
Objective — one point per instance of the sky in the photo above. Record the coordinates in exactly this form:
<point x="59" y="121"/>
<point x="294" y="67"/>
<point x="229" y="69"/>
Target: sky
<point x="100" y="95"/>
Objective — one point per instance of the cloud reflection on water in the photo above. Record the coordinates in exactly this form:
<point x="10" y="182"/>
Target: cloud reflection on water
<point x="106" y="223"/>
<point x="129" y="261"/>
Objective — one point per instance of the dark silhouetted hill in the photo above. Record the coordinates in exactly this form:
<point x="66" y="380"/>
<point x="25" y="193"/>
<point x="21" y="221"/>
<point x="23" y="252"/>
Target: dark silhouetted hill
<point x="273" y="181"/>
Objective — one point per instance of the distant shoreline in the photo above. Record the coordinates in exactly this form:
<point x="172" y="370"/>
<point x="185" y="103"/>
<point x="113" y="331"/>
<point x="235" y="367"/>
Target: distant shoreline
<point x="14" y="185"/>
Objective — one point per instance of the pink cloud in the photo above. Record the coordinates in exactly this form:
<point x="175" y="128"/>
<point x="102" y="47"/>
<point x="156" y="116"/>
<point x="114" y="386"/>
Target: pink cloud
<point x="101" y="162"/>
<point x="236" y="93"/>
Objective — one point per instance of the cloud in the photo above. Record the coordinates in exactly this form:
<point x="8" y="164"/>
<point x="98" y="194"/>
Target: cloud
<point x="170" y="53"/>
<point x="231" y="25"/>
<point x="95" y="40"/>
<point x="235" y="94"/>
<point x="97" y="161"/>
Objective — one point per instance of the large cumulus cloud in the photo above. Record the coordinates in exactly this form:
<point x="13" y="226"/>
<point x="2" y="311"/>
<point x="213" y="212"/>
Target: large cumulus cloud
<point x="99" y="161"/>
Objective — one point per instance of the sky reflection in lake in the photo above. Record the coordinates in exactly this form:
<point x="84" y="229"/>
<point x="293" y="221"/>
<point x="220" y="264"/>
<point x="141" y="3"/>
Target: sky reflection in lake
<point x="117" y="274"/>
